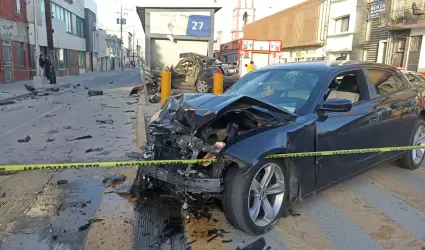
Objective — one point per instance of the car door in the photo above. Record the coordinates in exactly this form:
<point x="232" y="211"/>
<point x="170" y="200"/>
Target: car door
<point x="354" y="129"/>
<point x="397" y="101"/>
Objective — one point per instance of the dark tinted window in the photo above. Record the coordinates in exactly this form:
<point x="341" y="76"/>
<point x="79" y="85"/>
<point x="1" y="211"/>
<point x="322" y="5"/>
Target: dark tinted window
<point x="398" y="82"/>
<point x="384" y="81"/>
<point x="285" y="88"/>
<point x="210" y="71"/>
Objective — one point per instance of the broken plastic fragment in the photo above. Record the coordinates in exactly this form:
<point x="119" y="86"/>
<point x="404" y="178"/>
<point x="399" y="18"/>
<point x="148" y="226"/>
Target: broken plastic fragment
<point x="219" y="145"/>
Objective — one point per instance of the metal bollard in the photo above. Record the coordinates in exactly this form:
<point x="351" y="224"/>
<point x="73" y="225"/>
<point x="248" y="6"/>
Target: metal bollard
<point x="218" y="83"/>
<point x="165" y="86"/>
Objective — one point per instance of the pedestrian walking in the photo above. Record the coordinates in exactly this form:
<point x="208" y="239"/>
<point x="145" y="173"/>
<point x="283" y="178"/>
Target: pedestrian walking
<point x="250" y="67"/>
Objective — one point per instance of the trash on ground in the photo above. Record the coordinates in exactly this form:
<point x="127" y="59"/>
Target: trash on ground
<point x="80" y="138"/>
<point x="124" y="188"/>
<point x="172" y="227"/>
<point x="108" y="121"/>
<point x="226" y="241"/>
<point x="256" y="245"/>
<point x="54" y="89"/>
<point x="135" y="155"/>
<point x="129" y="111"/>
<point x="26" y="139"/>
<point x="95" y="92"/>
<point x="67" y="127"/>
<point x="136" y="90"/>
<point x="85" y="226"/>
<point x="62" y="182"/>
<point x="42" y="94"/>
<point x="108" y="106"/>
<point x="4" y="103"/>
<point x="51" y="131"/>
<point x="48" y="115"/>
<point x="130" y="103"/>
<point x="114" y="178"/>
<point x="154" y="99"/>
<point x="93" y="150"/>
<point x="3" y="195"/>
<point x="50" y="140"/>
<point x="29" y="88"/>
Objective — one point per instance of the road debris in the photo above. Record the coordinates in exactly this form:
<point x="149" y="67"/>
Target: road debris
<point x="54" y="89"/>
<point x="256" y="245"/>
<point x="108" y="121"/>
<point x="93" y="150"/>
<point x="114" y="178"/>
<point x="85" y="226"/>
<point x="154" y="99"/>
<point x="3" y="195"/>
<point x="124" y="188"/>
<point x="129" y="111"/>
<point x="67" y="127"/>
<point x="50" y="140"/>
<point x="4" y="103"/>
<point x="95" y="92"/>
<point x="52" y="131"/>
<point x="26" y="139"/>
<point x="226" y="241"/>
<point x="48" y="115"/>
<point x="108" y="106"/>
<point x="172" y="227"/>
<point x="29" y="88"/>
<point x="135" y="155"/>
<point x="80" y="138"/>
<point x="62" y="182"/>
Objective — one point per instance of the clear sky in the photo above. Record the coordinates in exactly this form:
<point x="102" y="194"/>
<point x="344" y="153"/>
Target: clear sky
<point x="106" y="13"/>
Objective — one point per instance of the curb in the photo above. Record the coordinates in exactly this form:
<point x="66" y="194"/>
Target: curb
<point x="65" y="85"/>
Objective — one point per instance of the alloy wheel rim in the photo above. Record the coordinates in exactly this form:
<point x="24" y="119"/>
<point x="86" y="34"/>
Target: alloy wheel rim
<point x="418" y="140"/>
<point x="202" y="86"/>
<point x="266" y="194"/>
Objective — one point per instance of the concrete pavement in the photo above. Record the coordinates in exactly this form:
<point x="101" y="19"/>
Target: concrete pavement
<point x="59" y="209"/>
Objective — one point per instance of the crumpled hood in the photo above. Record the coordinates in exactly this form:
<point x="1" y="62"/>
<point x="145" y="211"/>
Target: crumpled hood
<point x="195" y="110"/>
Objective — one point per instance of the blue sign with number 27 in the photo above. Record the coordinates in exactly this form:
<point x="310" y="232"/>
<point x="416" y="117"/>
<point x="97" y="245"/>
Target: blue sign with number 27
<point x="198" y="26"/>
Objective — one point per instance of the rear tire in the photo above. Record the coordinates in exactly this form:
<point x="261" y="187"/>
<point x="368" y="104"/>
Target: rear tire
<point x="412" y="159"/>
<point x="202" y="86"/>
<point x="252" y="204"/>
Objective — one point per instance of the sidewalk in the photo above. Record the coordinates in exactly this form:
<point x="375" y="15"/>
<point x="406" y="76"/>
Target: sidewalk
<point x="10" y="91"/>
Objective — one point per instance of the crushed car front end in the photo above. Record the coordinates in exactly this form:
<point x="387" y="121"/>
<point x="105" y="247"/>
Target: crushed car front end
<point x="199" y="126"/>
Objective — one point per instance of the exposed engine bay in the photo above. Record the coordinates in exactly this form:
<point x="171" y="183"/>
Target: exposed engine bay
<point x="193" y="126"/>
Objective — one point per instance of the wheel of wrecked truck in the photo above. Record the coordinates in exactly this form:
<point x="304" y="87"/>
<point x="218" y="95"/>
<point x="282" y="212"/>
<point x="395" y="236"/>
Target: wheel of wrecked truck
<point x="254" y="201"/>
<point x="202" y="87"/>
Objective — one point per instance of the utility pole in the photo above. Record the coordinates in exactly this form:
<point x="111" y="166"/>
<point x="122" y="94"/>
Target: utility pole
<point x="122" y="60"/>
<point x="134" y="36"/>
<point x="37" y="80"/>
<point x="50" y="46"/>
<point x="137" y="51"/>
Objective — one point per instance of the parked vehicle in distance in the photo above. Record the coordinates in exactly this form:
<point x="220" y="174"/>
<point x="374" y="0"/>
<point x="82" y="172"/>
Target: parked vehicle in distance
<point x="206" y="82"/>
<point x="283" y="108"/>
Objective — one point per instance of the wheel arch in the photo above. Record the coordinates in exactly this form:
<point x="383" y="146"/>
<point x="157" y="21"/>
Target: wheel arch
<point x="422" y="115"/>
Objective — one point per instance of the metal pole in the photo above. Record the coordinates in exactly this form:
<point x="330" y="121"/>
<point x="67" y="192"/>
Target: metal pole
<point x="37" y="48"/>
<point x="122" y="60"/>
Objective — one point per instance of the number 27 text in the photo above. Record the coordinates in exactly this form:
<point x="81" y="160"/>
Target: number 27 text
<point x="197" y="25"/>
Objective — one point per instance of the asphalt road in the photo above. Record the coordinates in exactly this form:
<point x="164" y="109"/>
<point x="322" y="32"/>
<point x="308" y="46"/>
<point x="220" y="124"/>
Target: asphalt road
<point x="381" y="209"/>
<point x="37" y="212"/>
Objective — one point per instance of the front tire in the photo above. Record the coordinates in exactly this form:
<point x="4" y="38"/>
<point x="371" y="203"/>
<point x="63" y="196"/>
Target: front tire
<point x="412" y="159"/>
<point x="254" y="201"/>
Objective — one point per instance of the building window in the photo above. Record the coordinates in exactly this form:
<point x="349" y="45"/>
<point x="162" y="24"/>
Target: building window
<point x="342" y="24"/>
<point x="21" y="56"/>
<point x="42" y="9"/>
<point x="62" y="56"/>
<point x="58" y="12"/>
<point x="68" y="22"/>
<point x="81" y="59"/>
<point x="80" y="27"/>
<point x="18" y="6"/>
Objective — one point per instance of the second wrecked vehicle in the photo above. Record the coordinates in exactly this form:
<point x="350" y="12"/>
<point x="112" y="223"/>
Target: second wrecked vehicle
<point x="298" y="107"/>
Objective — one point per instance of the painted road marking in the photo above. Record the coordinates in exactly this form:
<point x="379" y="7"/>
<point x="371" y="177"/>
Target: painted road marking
<point x="400" y="190"/>
<point x="299" y="233"/>
<point x="380" y="227"/>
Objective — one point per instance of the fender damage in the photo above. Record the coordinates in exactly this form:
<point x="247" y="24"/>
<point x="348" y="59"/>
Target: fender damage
<point x="197" y="126"/>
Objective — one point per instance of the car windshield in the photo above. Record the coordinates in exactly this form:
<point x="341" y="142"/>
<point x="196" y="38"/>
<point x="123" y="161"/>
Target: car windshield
<point x="287" y="89"/>
<point x="414" y="77"/>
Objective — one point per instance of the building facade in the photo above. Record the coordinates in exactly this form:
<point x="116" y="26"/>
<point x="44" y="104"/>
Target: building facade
<point x="301" y="30"/>
<point x="14" y="44"/>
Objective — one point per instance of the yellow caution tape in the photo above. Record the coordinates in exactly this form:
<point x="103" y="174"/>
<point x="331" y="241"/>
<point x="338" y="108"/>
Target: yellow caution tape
<point x="112" y="164"/>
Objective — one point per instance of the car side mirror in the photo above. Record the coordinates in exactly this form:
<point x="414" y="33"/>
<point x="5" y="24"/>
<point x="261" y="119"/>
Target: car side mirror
<point x="336" y="105"/>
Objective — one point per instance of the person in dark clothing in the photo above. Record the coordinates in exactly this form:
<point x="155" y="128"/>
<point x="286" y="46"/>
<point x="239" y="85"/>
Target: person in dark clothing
<point x="47" y="68"/>
<point x="41" y="64"/>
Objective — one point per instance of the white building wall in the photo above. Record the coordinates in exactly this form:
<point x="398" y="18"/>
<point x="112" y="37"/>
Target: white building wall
<point x="61" y="39"/>
<point x="91" y="5"/>
<point x="417" y="32"/>
<point x="103" y="48"/>
<point x="339" y="42"/>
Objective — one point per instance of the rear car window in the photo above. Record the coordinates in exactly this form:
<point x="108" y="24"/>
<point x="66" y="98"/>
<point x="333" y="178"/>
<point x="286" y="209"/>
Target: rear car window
<point x="384" y="81"/>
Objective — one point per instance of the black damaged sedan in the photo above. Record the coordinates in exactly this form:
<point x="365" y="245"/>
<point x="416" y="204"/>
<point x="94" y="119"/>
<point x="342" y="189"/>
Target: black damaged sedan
<point x="286" y="108"/>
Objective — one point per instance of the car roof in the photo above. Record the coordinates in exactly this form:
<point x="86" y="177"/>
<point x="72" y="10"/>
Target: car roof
<point x="327" y="66"/>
